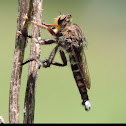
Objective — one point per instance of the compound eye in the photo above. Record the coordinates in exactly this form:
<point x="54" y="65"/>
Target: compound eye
<point x="60" y="21"/>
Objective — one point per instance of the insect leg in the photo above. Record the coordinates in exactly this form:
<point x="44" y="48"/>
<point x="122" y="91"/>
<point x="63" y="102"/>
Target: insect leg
<point x="51" y="57"/>
<point x="39" y="41"/>
<point x="30" y="60"/>
<point x="43" y="41"/>
<point x="19" y="33"/>
<point x="64" y="60"/>
<point x="33" y="59"/>
<point x="46" y="27"/>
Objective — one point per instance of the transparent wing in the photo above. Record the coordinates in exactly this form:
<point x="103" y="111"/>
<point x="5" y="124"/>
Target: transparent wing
<point x="82" y="65"/>
<point x="78" y="44"/>
<point x="85" y="70"/>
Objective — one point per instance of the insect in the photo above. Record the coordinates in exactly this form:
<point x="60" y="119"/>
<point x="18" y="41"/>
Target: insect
<point x="70" y="38"/>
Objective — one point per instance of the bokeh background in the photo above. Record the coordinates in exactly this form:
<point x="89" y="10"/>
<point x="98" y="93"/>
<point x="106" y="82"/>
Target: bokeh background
<point x="57" y="97"/>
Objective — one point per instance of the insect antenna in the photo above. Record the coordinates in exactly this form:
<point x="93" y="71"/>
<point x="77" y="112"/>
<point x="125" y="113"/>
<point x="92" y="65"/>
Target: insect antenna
<point x="60" y="13"/>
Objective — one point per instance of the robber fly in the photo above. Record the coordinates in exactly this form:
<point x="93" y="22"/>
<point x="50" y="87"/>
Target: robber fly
<point x="68" y="37"/>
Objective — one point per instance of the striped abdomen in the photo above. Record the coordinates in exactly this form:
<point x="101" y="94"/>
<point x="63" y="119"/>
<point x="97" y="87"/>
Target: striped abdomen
<point x="78" y="77"/>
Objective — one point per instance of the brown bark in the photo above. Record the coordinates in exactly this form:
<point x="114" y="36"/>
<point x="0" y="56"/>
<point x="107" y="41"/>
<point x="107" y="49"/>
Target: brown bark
<point x="20" y="44"/>
<point x="29" y="105"/>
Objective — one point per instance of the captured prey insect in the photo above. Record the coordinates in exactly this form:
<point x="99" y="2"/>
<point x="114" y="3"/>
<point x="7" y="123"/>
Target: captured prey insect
<point x="68" y="37"/>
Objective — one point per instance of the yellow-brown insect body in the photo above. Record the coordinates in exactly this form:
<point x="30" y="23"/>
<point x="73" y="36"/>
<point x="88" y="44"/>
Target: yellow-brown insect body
<point x="68" y="37"/>
<point x="71" y="38"/>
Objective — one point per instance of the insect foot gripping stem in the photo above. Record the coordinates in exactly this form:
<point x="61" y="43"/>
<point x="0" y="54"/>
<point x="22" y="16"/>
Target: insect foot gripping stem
<point x="46" y="63"/>
<point x="87" y="105"/>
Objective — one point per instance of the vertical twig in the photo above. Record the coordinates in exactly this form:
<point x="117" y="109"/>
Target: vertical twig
<point x="29" y="105"/>
<point x="22" y="25"/>
<point x="16" y="70"/>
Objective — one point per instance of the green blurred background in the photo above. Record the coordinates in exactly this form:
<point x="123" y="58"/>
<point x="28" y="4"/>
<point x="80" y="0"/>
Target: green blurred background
<point x="57" y="97"/>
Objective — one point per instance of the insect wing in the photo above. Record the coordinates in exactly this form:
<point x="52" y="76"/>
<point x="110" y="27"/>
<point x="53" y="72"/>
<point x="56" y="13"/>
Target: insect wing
<point x="82" y="65"/>
<point x="85" y="70"/>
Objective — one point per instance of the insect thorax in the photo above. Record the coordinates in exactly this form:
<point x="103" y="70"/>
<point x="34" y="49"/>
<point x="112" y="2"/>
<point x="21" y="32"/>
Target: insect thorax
<point x="71" y="35"/>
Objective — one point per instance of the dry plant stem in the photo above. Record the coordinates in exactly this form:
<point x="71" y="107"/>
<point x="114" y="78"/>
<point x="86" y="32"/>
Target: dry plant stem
<point x="29" y="105"/>
<point x="20" y="44"/>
